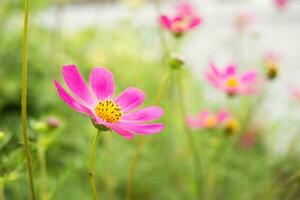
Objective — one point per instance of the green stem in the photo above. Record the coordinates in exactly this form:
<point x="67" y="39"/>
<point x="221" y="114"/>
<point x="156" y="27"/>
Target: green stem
<point x="133" y="167"/>
<point x="42" y="160"/>
<point x="189" y="134"/>
<point x="91" y="165"/>
<point x="24" y="99"/>
<point x="2" y="196"/>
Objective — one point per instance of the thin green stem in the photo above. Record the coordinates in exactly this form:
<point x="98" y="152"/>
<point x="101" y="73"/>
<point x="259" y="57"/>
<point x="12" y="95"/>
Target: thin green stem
<point x="133" y="167"/>
<point x="189" y="134"/>
<point x="92" y="164"/>
<point x="42" y="160"/>
<point x="24" y="99"/>
<point x="2" y="196"/>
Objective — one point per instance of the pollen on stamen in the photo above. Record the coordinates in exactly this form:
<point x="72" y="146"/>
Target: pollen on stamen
<point x="109" y="111"/>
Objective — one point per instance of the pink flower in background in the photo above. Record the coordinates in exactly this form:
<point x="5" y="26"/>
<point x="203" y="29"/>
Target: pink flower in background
<point x="248" y="139"/>
<point x="232" y="82"/>
<point x="184" y="20"/>
<point x="295" y="93"/>
<point x="272" y="56"/>
<point x="271" y="63"/>
<point x="243" y="19"/>
<point x="206" y="119"/>
<point x="281" y="4"/>
<point x="120" y="114"/>
<point x="184" y="8"/>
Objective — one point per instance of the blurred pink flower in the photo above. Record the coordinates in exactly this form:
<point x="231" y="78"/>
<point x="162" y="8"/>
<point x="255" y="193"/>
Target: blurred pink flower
<point x="281" y="4"/>
<point x="272" y="56"/>
<point x="248" y="139"/>
<point x="271" y="63"/>
<point x="243" y="19"/>
<point x="119" y="114"/>
<point x="232" y="82"/>
<point x="184" y="20"/>
<point x="184" y="8"/>
<point x="206" y="119"/>
<point x="295" y="93"/>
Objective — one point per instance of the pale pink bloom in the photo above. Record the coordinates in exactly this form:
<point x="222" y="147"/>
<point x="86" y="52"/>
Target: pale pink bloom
<point x="248" y="139"/>
<point x="295" y="93"/>
<point x="206" y="119"/>
<point x="120" y="114"/>
<point x="185" y="19"/>
<point x="243" y="19"/>
<point x="231" y="81"/>
<point x="281" y="4"/>
<point x="185" y="8"/>
<point x="272" y="56"/>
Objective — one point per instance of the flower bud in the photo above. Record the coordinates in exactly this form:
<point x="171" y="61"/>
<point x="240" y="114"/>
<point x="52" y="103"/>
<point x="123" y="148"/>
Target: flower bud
<point x="38" y="126"/>
<point x="2" y="136"/>
<point x="176" y="61"/>
<point x="53" y="123"/>
<point x="271" y="70"/>
<point x="231" y="126"/>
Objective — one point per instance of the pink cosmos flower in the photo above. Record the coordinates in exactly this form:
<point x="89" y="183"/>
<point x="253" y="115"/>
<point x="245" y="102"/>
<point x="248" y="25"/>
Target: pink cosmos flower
<point x="206" y="120"/>
<point x="281" y="4"/>
<point x="232" y="82"/>
<point x="119" y="114"/>
<point x="184" y="20"/>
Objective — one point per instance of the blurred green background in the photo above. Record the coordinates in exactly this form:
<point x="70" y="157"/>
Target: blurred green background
<point x="229" y="168"/>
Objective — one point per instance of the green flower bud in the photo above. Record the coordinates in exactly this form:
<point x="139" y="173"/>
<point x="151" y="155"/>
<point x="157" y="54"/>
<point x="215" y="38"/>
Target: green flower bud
<point x="176" y="61"/>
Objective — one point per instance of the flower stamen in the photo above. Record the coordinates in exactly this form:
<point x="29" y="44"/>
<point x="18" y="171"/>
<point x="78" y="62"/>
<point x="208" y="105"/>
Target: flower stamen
<point x="232" y="82"/>
<point x="109" y="111"/>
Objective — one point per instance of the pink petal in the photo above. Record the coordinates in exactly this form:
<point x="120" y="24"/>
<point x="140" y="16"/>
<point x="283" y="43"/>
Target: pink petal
<point x="231" y="70"/>
<point x="192" y="122"/>
<point x="142" y="128"/>
<point x="70" y="101"/>
<point x="77" y="84"/>
<point x="223" y="115"/>
<point x="130" y="99"/>
<point x="121" y="131"/>
<point x="249" y="77"/>
<point x="165" y="21"/>
<point x="102" y="83"/>
<point x="145" y="114"/>
<point x="195" y="22"/>
<point x="213" y="68"/>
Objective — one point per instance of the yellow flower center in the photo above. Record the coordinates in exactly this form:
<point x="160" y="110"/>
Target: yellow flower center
<point x="232" y="82"/>
<point x="109" y="111"/>
<point x="210" y="121"/>
<point x="179" y="25"/>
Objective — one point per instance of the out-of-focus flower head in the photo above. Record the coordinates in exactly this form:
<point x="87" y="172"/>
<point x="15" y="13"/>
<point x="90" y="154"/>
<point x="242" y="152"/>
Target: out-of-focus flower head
<point x="248" y="139"/>
<point x="206" y="120"/>
<point x="184" y="19"/>
<point x="280" y="4"/>
<point x="231" y="125"/>
<point x="271" y="63"/>
<point x="243" y="19"/>
<point x="230" y="81"/>
<point x="120" y="114"/>
<point x="295" y="93"/>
